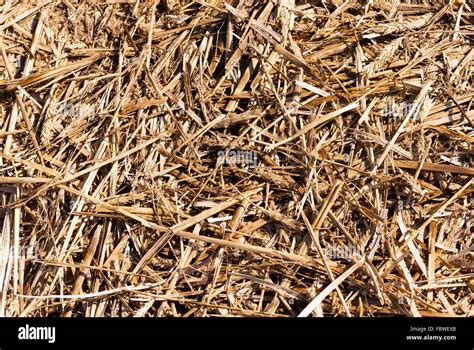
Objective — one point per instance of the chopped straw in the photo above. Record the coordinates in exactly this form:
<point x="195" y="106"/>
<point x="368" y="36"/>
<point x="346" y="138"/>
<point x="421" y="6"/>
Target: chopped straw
<point x="236" y="158"/>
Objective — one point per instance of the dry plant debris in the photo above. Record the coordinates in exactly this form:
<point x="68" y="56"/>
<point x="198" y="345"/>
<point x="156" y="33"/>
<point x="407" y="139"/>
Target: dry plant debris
<point x="241" y="158"/>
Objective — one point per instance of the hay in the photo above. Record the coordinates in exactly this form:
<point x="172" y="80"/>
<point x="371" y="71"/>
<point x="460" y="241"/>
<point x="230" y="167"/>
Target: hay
<point x="248" y="158"/>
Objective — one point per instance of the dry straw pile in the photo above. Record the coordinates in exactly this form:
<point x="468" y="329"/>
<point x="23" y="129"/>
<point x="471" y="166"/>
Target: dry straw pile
<point x="241" y="158"/>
